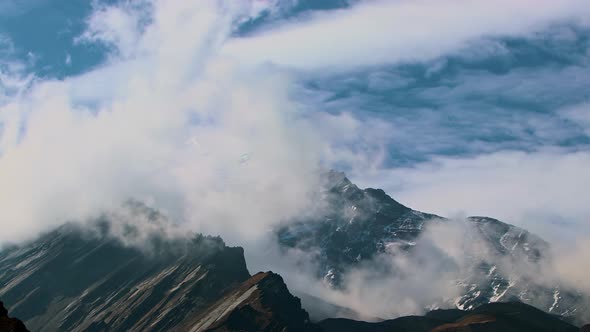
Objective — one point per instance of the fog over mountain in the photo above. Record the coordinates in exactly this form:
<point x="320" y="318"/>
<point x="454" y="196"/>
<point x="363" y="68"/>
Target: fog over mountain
<point x="235" y="119"/>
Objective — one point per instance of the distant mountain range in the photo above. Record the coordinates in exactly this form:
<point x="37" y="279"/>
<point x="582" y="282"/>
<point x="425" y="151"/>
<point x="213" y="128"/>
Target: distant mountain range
<point x="76" y="279"/>
<point x="353" y="226"/>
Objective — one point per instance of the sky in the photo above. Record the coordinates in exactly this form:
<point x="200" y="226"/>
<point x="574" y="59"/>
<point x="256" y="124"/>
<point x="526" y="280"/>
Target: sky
<point x="453" y="107"/>
<point x="222" y="113"/>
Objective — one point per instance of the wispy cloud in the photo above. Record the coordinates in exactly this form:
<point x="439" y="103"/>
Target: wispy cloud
<point x="166" y="121"/>
<point x="532" y="190"/>
<point x="386" y="32"/>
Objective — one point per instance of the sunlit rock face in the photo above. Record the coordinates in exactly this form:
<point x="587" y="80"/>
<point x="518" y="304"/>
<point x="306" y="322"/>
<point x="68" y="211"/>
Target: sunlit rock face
<point x="353" y="226"/>
<point x="75" y="280"/>
<point x="262" y="303"/>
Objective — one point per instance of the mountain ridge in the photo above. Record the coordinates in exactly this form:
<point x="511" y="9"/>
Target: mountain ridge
<point x="78" y="280"/>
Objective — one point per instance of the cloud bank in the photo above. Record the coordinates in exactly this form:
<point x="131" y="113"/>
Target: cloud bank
<point x="166" y="121"/>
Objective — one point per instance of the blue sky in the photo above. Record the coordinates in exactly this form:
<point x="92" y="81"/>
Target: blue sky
<point x="50" y="40"/>
<point x="453" y="107"/>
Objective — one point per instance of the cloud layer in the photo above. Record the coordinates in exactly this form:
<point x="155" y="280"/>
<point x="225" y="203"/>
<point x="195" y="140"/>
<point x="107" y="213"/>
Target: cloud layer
<point x="387" y="32"/>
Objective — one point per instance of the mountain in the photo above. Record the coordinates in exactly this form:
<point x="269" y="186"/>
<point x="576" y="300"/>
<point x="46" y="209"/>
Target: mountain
<point x="352" y="226"/>
<point x="107" y="276"/>
<point x="507" y="317"/>
<point x="76" y="280"/>
<point x="8" y="324"/>
<point x="100" y="277"/>
<point x="191" y="286"/>
<point x="86" y="279"/>
<point x="260" y="304"/>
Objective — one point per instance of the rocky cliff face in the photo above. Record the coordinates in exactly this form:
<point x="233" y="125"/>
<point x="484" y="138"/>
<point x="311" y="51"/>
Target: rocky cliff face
<point x="71" y="280"/>
<point x="8" y="324"/>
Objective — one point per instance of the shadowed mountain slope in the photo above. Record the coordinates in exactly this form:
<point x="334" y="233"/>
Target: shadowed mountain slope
<point x="262" y="303"/>
<point x="72" y="280"/>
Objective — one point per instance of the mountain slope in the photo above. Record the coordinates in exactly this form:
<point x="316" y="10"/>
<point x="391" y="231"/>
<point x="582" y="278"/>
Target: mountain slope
<point x="71" y="280"/>
<point x="261" y="304"/>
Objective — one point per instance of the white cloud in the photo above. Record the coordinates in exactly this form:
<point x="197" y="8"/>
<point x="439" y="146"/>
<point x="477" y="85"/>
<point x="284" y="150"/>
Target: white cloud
<point x="167" y="121"/>
<point x="385" y="32"/>
<point x="534" y="190"/>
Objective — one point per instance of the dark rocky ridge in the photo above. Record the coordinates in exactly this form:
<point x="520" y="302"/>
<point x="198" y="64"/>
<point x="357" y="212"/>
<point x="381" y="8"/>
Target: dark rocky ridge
<point x="10" y="324"/>
<point x="506" y="317"/>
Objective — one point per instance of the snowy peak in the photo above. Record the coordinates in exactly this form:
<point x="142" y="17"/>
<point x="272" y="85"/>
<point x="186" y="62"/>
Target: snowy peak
<point x="356" y="225"/>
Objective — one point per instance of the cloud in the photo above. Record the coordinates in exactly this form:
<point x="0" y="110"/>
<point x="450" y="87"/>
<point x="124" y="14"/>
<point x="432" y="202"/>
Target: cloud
<point x="579" y="114"/>
<point x="444" y="264"/>
<point x="13" y="77"/>
<point x="388" y="32"/>
<point x="567" y="267"/>
<point x="536" y="190"/>
<point x="452" y="106"/>
<point x="169" y="121"/>
<point x="166" y="121"/>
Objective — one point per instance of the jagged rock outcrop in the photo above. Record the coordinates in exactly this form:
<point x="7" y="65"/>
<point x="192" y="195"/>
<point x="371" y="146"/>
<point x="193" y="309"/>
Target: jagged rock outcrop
<point x="10" y="324"/>
<point x="262" y="303"/>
